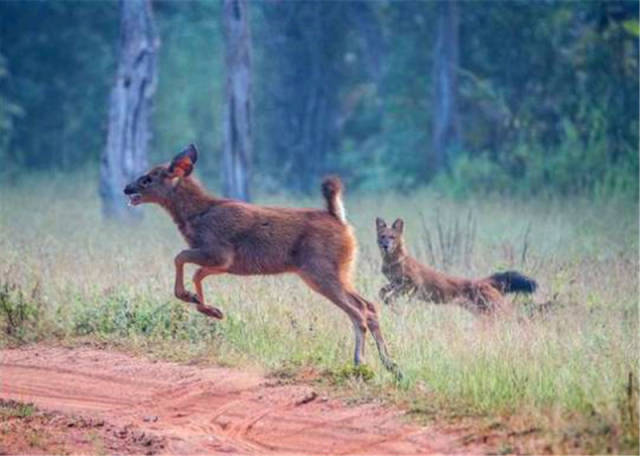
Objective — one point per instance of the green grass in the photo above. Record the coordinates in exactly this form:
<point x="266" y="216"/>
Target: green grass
<point x="13" y="409"/>
<point x="69" y="275"/>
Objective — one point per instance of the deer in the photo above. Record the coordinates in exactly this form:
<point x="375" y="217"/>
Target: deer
<point x="227" y="236"/>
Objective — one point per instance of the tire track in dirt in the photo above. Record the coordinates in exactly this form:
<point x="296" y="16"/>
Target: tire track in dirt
<point x="209" y="410"/>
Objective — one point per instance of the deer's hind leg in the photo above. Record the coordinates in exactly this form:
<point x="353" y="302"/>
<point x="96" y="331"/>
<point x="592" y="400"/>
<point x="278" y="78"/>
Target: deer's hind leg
<point x="373" y="324"/>
<point x="331" y="288"/>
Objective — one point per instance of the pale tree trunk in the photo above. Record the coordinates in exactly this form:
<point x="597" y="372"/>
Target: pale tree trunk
<point x="125" y="156"/>
<point x="446" y="129"/>
<point x="237" y="117"/>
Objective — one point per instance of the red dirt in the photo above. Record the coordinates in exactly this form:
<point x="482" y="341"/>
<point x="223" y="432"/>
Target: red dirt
<point x="43" y="432"/>
<point x="170" y="408"/>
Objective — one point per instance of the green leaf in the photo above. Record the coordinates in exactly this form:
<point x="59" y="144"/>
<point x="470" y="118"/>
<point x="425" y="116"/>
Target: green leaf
<point x="632" y="26"/>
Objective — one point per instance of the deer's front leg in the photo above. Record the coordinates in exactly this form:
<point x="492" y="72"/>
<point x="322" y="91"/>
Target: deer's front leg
<point x="210" y="260"/>
<point x="197" y="281"/>
<point x="186" y="256"/>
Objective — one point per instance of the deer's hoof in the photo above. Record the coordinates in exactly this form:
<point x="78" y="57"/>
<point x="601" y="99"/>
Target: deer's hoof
<point x="211" y="312"/>
<point x="187" y="296"/>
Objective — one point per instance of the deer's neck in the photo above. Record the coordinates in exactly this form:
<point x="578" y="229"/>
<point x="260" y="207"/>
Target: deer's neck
<point x="187" y="199"/>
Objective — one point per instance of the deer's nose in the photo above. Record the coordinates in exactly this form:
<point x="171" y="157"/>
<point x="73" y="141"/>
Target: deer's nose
<point x="129" y="189"/>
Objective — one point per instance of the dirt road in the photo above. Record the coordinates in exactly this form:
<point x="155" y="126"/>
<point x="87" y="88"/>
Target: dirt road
<point x="195" y="410"/>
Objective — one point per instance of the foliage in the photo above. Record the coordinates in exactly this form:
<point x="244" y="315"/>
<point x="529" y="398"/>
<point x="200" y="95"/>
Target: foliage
<point x="61" y="59"/>
<point x="20" y="313"/>
<point x="13" y="409"/>
<point x="542" y="107"/>
<point x="548" y="92"/>
<point x="351" y="372"/>
<point x="188" y="106"/>
<point x="9" y="112"/>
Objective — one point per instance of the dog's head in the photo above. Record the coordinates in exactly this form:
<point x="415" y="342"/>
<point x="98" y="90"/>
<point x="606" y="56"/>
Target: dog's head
<point x="389" y="238"/>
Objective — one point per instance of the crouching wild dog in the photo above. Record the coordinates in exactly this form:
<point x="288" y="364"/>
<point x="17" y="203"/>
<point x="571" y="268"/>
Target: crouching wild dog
<point x="409" y="277"/>
<point x="228" y="236"/>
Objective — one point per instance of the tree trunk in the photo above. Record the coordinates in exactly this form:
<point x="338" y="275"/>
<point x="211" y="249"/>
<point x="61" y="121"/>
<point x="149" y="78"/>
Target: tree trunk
<point x="446" y="129"/>
<point x="237" y="117"/>
<point x="125" y="156"/>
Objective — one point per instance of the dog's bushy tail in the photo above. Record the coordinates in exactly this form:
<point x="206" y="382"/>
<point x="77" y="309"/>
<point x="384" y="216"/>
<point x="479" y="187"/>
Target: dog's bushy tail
<point x="332" y="192"/>
<point x="513" y="282"/>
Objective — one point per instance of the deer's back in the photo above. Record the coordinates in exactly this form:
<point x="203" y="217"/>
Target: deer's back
<point x="268" y="240"/>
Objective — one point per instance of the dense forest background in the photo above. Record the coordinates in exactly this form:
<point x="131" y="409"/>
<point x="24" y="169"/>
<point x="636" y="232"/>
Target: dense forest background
<point x="545" y="93"/>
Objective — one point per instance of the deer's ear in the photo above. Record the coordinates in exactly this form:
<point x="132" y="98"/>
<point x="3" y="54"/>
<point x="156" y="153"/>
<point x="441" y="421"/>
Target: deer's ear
<point x="380" y="224"/>
<point x="398" y="226"/>
<point x="182" y="164"/>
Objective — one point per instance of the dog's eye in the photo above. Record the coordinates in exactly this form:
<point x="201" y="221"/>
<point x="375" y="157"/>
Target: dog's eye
<point x="145" y="180"/>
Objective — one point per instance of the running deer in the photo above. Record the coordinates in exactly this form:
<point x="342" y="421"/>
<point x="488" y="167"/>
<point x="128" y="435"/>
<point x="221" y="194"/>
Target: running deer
<point x="409" y="277"/>
<point x="234" y="237"/>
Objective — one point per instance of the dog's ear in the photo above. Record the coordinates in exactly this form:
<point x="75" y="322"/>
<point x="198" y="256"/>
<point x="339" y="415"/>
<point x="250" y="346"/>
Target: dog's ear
<point x="380" y="224"/>
<point x="183" y="163"/>
<point x="398" y="226"/>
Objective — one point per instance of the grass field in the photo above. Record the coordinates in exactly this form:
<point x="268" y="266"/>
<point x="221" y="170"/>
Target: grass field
<point x="569" y="372"/>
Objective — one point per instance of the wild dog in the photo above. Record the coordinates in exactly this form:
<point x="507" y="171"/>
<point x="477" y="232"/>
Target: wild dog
<point x="234" y="237"/>
<point x="410" y="278"/>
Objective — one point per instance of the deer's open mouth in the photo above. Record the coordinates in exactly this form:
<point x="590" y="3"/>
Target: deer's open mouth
<point x="134" y="199"/>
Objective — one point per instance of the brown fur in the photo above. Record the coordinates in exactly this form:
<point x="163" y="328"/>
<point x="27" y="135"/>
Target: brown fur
<point x="409" y="277"/>
<point x="234" y="237"/>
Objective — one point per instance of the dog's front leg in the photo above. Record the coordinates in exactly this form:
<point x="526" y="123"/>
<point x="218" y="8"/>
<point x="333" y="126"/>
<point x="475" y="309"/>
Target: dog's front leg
<point x="388" y="293"/>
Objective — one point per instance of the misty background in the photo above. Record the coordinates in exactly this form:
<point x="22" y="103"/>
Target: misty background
<point x="516" y="98"/>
